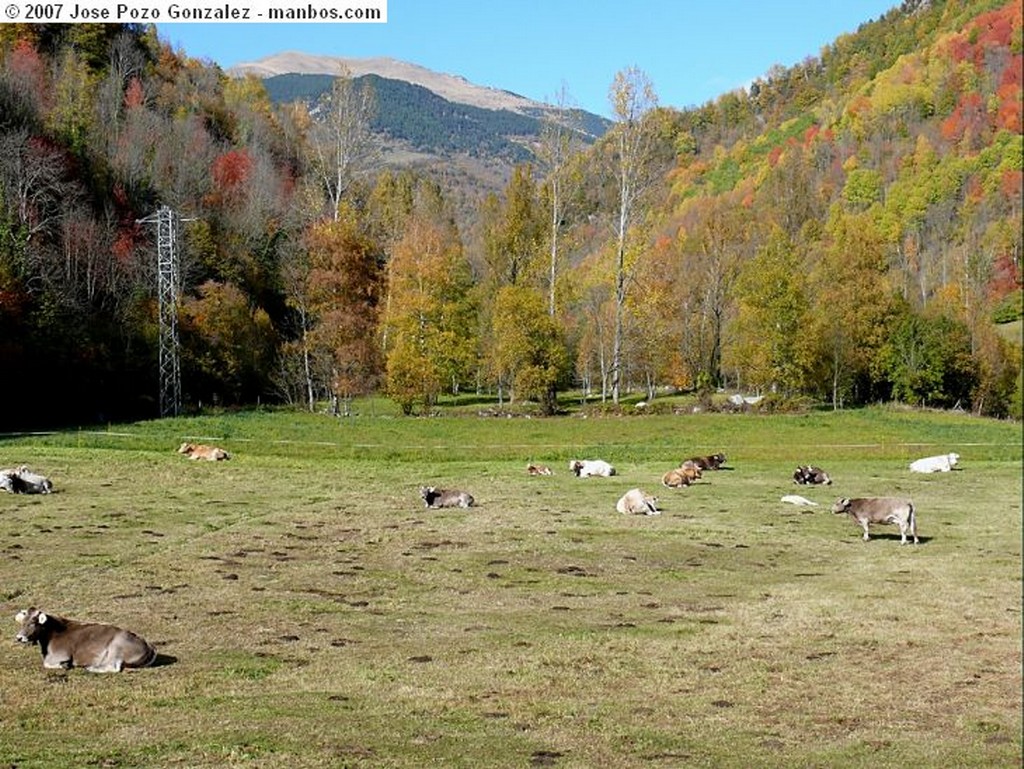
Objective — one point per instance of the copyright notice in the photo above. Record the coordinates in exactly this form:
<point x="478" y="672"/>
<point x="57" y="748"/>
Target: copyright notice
<point x="366" y="12"/>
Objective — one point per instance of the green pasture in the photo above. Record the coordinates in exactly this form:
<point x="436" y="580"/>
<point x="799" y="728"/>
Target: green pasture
<point x="310" y="612"/>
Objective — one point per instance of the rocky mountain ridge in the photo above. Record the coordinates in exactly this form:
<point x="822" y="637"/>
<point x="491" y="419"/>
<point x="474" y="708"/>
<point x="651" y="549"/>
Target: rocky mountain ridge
<point x="453" y="88"/>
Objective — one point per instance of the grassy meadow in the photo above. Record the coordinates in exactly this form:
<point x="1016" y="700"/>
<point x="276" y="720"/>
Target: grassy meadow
<point x="309" y="612"/>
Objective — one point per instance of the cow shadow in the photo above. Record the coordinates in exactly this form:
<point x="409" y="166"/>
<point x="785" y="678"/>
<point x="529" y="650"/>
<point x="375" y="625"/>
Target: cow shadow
<point x="163" y="660"/>
<point x="895" y="537"/>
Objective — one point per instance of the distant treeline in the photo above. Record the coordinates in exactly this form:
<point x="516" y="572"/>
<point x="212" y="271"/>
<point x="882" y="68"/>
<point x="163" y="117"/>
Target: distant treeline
<point x="844" y="231"/>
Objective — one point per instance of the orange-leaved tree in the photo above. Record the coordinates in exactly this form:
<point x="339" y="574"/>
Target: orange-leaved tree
<point x="343" y="287"/>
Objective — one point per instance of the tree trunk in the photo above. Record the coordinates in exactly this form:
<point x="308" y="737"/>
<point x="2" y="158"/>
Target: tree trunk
<point x="307" y="368"/>
<point x="620" y="295"/>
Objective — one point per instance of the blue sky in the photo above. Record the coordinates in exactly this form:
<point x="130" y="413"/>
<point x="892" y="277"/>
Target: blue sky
<point x="692" y="50"/>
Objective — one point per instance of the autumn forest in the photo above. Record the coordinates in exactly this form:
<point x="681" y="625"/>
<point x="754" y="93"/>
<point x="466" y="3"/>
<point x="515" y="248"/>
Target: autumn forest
<point x="845" y="231"/>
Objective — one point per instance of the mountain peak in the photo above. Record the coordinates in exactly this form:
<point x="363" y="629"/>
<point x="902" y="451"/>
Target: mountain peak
<point x="454" y="88"/>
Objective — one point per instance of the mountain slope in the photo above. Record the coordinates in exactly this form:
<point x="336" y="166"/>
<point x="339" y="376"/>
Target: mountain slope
<point x="470" y="136"/>
<point x="450" y="87"/>
<point x="432" y="113"/>
<point x="423" y="120"/>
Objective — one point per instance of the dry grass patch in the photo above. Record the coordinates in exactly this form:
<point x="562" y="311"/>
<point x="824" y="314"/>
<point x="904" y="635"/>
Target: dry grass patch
<point x="311" y="613"/>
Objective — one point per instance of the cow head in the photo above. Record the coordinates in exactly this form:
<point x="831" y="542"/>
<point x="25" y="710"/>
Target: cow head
<point x="575" y="466"/>
<point x="32" y="622"/>
<point x="186" y="448"/>
<point x="842" y="505"/>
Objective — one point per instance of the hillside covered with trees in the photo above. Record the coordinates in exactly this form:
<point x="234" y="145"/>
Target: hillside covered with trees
<point x="846" y="231"/>
<point x="427" y="122"/>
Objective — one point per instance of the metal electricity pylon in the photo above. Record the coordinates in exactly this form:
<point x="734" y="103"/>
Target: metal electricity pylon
<point x="168" y="296"/>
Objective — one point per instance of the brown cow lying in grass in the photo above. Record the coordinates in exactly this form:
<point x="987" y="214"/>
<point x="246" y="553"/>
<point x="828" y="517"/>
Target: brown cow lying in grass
<point x="199" y="451"/>
<point x="710" y="462"/>
<point x="681" y="476"/>
<point x="538" y="470"/>
<point x="95" y="647"/>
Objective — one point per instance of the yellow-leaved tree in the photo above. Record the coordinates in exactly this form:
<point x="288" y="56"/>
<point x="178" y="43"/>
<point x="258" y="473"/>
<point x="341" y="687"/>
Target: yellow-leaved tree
<point x="527" y="348"/>
<point x="430" y="320"/>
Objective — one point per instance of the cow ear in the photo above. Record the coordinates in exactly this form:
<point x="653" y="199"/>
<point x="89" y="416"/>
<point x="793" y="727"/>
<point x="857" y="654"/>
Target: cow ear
<point x="41" y="618"/>
<point x="20" y="616"/>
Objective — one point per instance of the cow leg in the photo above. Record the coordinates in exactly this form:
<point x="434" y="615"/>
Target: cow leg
<point x="903" y="532"/>
<point x="108" y="661"/>
<point x="55" y="662"/>
<point x="864" y="524"/>
<point x="903" y="528"/>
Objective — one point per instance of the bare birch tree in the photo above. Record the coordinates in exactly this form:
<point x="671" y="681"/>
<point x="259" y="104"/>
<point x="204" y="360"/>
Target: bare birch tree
<point x="632" y="98"/>
<point x="343" y="146"/>
<point x="559" y="142"/>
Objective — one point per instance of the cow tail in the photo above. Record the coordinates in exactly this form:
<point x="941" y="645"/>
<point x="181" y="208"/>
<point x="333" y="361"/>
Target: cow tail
<point x="913" y="521"/>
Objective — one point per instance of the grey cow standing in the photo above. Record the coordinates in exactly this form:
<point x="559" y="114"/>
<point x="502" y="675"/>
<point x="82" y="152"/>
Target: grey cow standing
<point x="868" y="510"/>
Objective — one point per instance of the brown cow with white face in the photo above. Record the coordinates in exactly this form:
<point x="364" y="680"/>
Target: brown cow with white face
<point x="95" y="647"/>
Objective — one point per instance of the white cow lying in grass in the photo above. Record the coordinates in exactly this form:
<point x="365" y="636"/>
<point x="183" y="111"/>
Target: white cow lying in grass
<point x="24" y="481"/>
<point x="586" y="468"/>
<point x="943" y="463"/>
<point x="636" y="502"/>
